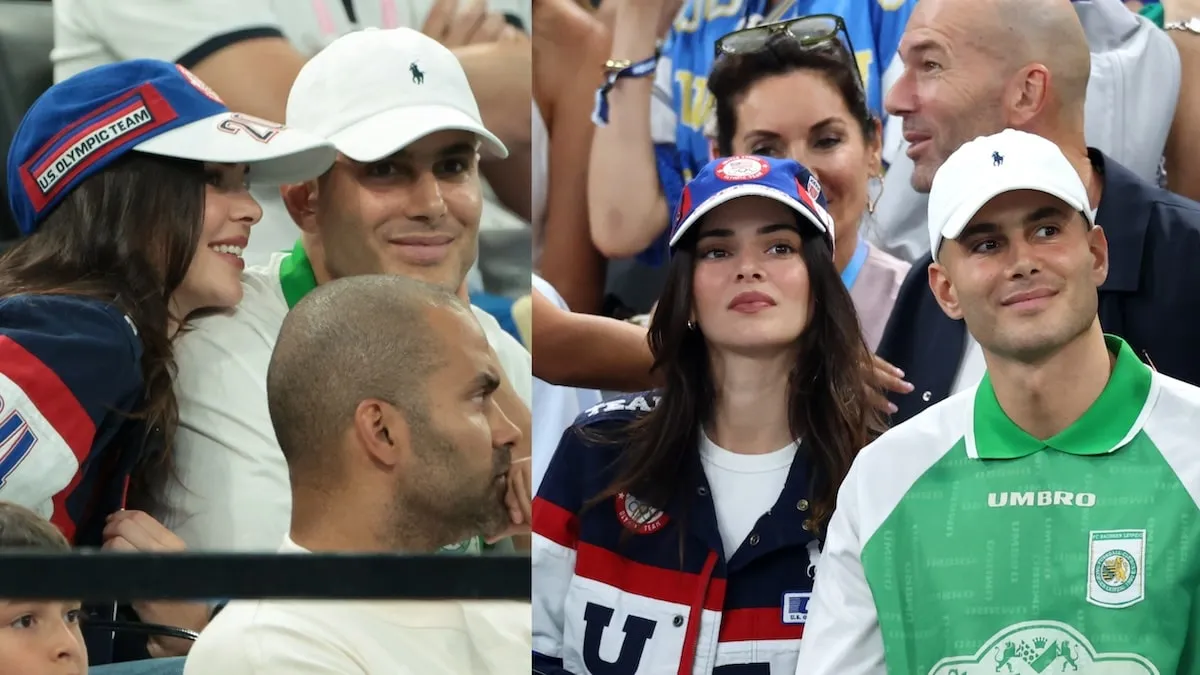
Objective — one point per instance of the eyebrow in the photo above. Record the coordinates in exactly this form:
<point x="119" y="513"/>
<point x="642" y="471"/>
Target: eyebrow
<point x="486" y="382"/>
<point x="717" y="232"/>
<point x="454" y="150"/>
<point x="923" y="46"/>
<point x="1038" y="214"/>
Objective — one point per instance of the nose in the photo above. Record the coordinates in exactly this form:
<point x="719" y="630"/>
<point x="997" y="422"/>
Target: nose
<point x="425" y="201"/>
<point x="504" y="431"/>
<point x="1023" y="262"/>
<point x="245" y="209"/>
<point x="901" y="98"/>
<point x="749" y="267"/>
<point x="66" y="644"/>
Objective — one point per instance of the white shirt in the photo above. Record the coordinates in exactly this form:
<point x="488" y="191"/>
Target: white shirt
<point x="971" y="368"/>
<point x="233" y="491"/>
<point x="554" y="407"/>
<point x="744" y="487"/>
<point x="383" y="637"/>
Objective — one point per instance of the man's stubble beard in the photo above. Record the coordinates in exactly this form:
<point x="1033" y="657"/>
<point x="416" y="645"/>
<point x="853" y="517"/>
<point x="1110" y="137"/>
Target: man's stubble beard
<point x="445" y="505"/>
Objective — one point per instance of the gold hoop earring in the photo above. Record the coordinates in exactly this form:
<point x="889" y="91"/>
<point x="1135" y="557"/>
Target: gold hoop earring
<point x="874" y="192"/>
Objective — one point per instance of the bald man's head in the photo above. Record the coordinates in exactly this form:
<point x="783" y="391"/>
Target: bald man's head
<point x="351" y="340"/>
<point x="976" y="67"/>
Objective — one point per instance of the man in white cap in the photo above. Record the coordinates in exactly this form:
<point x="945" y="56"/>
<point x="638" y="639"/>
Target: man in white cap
<point x="402" y="198"/>
<point x="1038" y="516"/>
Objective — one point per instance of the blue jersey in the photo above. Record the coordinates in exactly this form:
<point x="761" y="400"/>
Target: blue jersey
<point x="618" y="588"/>
<point x="70" y="374"/>
<point x="875" y="28"/>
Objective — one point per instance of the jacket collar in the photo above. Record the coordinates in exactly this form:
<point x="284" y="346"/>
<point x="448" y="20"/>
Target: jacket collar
<point x="1125" y="216"/>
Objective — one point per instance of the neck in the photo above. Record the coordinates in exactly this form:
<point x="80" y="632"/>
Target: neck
<point x="843" y="251"/>
<point x="1074" y="146"/>
<point x="751" y="412"/>
<point x="316" y="258"/>
<point x="1046" y="397"/>
<point x="328" y="521"/>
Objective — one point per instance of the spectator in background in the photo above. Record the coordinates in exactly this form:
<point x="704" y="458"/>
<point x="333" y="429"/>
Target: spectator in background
<point x="830" y="130"/>
<point x="642" y="157"/>
<point x="249" y="52"/>
<point x="1182" y="156"/>
<point x="761" y="354"/>
<point x="403" y="198"/>
<point x="395" y="445"/>
<point x="961" y="83"/>
<point x="122" y="178"/>
<point x="1131" y="97"/>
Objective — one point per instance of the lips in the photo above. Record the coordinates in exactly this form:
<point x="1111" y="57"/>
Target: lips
<point x="1027" y="296"/>
<point x="751" y="301"/>
<point x="423" y="248"/>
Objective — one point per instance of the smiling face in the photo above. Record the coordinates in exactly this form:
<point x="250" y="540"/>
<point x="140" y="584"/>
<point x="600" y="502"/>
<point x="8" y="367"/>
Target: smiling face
<point x="1023" y="275"/>
<point x="41" y="638"/>
<point x="750" y="284"/>
<point x="214" y="277"/>
<point x="952" y="88"/>
<point x="415" y="213"/>
<point x="817" y="130"/>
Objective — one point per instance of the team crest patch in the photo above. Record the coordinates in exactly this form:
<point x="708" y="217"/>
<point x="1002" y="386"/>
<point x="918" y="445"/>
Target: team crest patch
<point x="639" y="516"/>
<point x="199" y="84"/>
<point x="1116" y="568"/>
<point x="1043" y="647"/>
<point x="741" y="168"/>
<point x="814" y="188"/>
<point x="795" y="607"/>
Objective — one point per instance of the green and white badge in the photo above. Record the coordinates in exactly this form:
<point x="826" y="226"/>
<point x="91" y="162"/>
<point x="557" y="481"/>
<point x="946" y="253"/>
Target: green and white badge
<point x="1116" y="567"/>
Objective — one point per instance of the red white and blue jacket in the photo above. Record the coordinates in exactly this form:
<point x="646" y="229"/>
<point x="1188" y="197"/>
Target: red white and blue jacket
<point x="70" y="373"/>
<point x="604" y="604"/>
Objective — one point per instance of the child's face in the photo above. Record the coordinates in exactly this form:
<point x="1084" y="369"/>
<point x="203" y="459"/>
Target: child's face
<point x="41" y="638"/>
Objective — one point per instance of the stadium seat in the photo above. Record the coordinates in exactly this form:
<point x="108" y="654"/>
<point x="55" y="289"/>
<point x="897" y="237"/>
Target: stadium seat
<point x="26" y="38"/>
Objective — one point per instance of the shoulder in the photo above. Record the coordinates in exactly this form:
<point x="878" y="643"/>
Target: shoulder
<point x="932" y="432"/>
<point x="68" y="332"/>
<point x="253" y="636"/>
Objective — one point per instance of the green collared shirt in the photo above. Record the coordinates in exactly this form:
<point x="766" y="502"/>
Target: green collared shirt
<point x="1103" y="428"/>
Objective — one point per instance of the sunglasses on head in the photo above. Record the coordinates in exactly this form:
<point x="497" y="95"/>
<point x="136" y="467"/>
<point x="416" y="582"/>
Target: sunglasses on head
<point x="817" y="30"/>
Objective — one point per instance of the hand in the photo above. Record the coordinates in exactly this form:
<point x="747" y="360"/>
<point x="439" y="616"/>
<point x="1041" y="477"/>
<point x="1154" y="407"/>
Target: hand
<point x="887" y="378"/>
<point x="518" y="500"/>
<point x="472" y="25"/>
<point x="137" y="531"/>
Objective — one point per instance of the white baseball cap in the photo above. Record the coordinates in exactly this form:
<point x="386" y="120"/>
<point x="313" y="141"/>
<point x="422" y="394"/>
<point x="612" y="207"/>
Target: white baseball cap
<point x="989" y="166"/>
<point x="374" y="92"/>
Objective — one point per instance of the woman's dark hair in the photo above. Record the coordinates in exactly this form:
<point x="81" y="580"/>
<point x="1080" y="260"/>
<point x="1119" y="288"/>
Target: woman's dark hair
<point x="126" y="236"/>
<point x="733" y="75"/>
<point x="828" y="406"/>
<point x="22" y="528"/>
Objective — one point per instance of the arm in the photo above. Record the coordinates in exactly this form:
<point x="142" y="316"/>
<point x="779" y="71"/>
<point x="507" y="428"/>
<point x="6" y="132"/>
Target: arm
<point x="626" y="205"/>
<point x="592" y="352"/>
<point x="570" y="261"/>
<point x="216" y="39"/>
<point x="69" y="370"/>
<point x="232" y="491"/>
<point x="1183" y="143"/>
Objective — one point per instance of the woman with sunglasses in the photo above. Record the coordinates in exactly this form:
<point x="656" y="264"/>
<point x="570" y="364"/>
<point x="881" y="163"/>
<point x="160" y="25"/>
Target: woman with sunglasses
<point x="780" y="94"/>
<point x="130" y="181"/>
<point x="679" y="530"/>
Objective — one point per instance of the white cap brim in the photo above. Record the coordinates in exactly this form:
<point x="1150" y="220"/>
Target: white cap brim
<point x="747" y="190"/>
<point x="388" y="132"/>
<point x="288" y="156"/>
<point x="972" y="205"/>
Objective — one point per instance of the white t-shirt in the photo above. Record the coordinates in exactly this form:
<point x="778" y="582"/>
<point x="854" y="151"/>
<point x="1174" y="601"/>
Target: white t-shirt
<point x="744" y="487"/>
<point x="554" y="407"/>
<point x="233" y="491"/>
<point x="332" y="637"/>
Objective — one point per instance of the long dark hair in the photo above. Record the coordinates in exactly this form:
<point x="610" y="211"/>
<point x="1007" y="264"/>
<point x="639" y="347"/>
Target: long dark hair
<point x="125" y="236"/>
<point x="733" y="75"/>
<point x="828" y="406"/>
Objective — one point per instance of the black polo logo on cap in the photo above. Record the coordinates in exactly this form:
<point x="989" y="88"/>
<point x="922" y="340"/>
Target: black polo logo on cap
<point x="417" y="76"/>
<point x="997" y="158"/>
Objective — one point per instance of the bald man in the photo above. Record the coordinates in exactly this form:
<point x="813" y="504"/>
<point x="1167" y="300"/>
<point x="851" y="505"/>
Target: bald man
<point x="976" y="67"/>
<point x="380" y="390"/>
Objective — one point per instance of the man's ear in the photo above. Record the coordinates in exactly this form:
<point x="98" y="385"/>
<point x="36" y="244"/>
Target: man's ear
<point x="382" y="432"/>
<point x="301" y="202"/>
<point x="943" y="291"/>
<point x="1098" y="245"/>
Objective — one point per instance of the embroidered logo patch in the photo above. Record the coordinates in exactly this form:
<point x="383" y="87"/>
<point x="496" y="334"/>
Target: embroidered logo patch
<point x="1116" y="568"/>
<point x="638" y="516"/>
<point x="741" y="168"/>
<point x="795" y="607"/>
